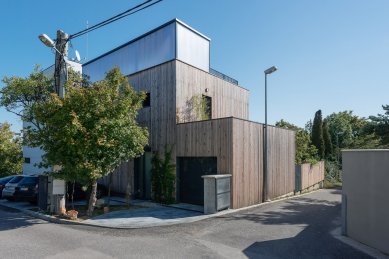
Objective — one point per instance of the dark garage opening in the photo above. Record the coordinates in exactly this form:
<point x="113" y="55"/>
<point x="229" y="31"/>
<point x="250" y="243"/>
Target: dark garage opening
<point x="191" y="185"/>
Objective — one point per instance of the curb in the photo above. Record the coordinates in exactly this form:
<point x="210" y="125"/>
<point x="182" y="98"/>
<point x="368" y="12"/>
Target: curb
<point x="56" y="220"/>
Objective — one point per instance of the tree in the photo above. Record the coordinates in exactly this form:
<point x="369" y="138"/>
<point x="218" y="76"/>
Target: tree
<point x="379" y="125"/>
<point x="350" y="131"/>
<point x="11" y="160"/>
<point x="90" y="132"/>
<point x="327" y="141"/>
<point x="305" y="151"/>
<point x="317" y="134"/>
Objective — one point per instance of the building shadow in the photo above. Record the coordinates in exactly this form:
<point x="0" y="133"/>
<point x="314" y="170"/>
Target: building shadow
<point x="315" y="241"/>
<point x="13" y="219"/>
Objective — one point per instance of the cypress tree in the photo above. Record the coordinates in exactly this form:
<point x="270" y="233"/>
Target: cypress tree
<point x="317" y="134"/>
<point x="328" y="150"/>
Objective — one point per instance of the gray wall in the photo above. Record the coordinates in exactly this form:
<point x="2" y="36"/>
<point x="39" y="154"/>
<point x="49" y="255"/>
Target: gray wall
<point x="366" y="195"/>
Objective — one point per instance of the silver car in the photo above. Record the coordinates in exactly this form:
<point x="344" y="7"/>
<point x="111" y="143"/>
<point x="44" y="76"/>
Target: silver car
<point x="9" y="190"/>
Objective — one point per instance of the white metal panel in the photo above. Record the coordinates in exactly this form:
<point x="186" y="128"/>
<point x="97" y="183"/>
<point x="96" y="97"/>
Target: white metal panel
<point x="192" y="48"/>
<point x="151" y="50"/>
<point x="35" y="154"/>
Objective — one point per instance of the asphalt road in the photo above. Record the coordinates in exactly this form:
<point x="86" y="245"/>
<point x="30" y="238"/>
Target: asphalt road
<point x="295" y="228"/>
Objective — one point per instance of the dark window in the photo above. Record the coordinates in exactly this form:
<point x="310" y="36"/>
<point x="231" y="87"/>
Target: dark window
<point x="146" y="102"/>
<point x="27" y="160"/>
<point x="208" y="106"/>
<point x="29" y="180"/>
<point x="16" y="179"/>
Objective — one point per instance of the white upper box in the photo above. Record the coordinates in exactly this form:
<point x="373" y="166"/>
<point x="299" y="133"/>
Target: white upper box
<point x="173" y="40"/>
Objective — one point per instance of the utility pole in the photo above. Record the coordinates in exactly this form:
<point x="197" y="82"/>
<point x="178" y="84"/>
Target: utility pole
<point x="61" y="56"/>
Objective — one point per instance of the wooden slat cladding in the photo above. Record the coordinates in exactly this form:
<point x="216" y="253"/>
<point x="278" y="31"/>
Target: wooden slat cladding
<point x="247" y="175"/>
<point x="238" y="146"/>
<point x="160" y="117"/>
<point x="120" y="178"/>
<point x="281" y="167"/>
<point x="228" y="100"/>
<point x="311" y="174"/>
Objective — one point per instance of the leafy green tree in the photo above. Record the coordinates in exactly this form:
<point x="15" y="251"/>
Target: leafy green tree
<point x="163" y="177"/>
<point x="350" y="131"/>
<point x="19" y="95"/>
<point x="305" y="151"/>
<point x="11" y="160"/>
<point x="317" y="134"/>
<point x="327" y="141"/>
<point x="90" y="132"/>
<point x="379" y="125"/>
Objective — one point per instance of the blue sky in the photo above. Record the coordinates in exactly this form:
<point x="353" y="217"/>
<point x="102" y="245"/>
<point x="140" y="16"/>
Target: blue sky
<point x="332" y="55"/>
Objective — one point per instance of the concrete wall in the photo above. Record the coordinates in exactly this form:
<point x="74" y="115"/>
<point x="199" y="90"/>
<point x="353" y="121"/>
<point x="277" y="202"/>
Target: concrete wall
<point x="366" y="197"/>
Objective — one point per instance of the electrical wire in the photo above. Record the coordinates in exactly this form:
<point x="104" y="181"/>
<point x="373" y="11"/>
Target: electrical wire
<point x="108" y="20"/>
<point x="126" y="13"/>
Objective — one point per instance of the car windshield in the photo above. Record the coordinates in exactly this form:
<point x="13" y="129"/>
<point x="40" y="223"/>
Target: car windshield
<point x="16" y="179"/>
<point x="29" y="180"/>
<point x="5" y="179"/>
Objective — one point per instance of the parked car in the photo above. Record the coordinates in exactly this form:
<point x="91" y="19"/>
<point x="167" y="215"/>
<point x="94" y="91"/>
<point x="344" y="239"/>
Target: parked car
<point x="27" y="189"/>
<point x="9" y="190"/>
<point x="3" y="182"/>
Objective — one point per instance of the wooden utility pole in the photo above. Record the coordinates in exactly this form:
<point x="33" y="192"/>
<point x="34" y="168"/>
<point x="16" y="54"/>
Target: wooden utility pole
<point x="61" y="56"/>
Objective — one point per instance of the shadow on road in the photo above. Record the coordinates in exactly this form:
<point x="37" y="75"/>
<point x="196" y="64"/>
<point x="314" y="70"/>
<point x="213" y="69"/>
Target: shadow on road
<point x="319" y="217"/>
<point x="13" y="219"/>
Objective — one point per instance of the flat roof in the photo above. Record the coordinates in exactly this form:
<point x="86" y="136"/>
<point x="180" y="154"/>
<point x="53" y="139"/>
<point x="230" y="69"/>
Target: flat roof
<point x="145" y="34"/>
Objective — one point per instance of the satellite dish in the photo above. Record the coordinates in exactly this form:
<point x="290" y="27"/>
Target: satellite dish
<point x="78" y="58"/>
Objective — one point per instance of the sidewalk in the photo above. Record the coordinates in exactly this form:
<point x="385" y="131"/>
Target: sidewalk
<point x="151" y="216"/>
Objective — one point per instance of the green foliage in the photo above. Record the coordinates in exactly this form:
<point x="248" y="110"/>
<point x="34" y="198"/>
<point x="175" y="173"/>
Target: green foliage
<point x="163" y="177"/>
<point x="90" y="132"/>
<point x="333" y="174"/>
<point x="305" y="151"/>
<point x="350" y="131"/>
<point x="379" y="125"/>
<point x="11" y="160"/>
<point x="317" y="134"/>
<point x="327" y="141"/>
<point x="19" y="95"/>
<point x="196" y="109"/>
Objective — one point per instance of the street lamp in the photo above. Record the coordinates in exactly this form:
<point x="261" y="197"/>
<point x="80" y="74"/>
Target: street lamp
<point x="265" y="167"/>
<point x="60" y="69"/>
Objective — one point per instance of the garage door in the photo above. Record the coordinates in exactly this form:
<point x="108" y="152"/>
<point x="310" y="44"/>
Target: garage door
<point x="191" y="184"/>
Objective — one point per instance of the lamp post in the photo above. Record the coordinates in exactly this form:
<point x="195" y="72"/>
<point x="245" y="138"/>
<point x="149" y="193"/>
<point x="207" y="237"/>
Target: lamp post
<point x="57" y="197"/>
<point x="265" y="167"/>
<point x="61" y="54"/>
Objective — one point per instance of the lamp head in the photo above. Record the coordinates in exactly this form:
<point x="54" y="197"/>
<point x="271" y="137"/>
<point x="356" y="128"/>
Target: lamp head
<point x="270" y="70"/>
<point x="46" y="40"/>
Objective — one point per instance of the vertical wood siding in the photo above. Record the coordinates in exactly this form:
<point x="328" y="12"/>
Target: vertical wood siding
<point x="228" y="100"/>
<point x="310" y="174"/>
<point x="238" y="146"/>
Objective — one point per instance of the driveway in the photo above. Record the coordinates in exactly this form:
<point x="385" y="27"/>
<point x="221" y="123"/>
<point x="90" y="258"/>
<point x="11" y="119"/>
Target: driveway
<point x="294" y="228"/>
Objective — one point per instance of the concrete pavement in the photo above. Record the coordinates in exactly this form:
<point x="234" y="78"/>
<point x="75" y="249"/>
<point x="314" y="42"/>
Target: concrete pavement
<point x="295" y="228"/>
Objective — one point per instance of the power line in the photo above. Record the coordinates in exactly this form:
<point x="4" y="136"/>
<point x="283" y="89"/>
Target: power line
<point x="126" y="13"/>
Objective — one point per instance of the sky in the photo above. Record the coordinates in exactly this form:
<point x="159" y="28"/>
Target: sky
<point x="331" y="55"/>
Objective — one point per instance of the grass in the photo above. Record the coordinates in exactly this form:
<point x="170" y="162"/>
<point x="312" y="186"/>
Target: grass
<point x="332" y="184"/>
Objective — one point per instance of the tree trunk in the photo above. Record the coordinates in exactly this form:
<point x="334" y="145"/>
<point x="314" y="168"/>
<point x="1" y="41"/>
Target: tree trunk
<point x="92" y="198"/>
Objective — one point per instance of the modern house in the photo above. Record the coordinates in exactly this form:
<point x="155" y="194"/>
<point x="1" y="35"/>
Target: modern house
<point x="172" y="65"/>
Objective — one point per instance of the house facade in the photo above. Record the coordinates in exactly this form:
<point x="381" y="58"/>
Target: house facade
<point x="199" y="112"/>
